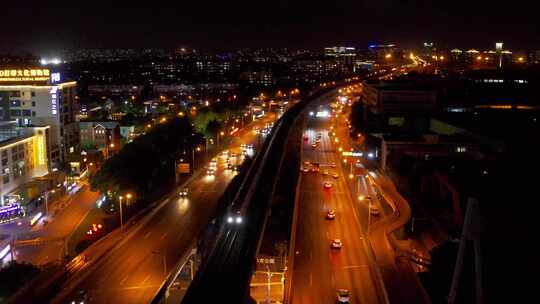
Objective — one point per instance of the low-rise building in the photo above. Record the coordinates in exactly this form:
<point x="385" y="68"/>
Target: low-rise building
<point x="100" y="134"/>
<point x="24" y="155"/>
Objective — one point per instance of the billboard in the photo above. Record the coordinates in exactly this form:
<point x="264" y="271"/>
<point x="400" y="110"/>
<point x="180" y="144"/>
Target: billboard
<point x="183" y="168"/>
<point x="31" y="75"/>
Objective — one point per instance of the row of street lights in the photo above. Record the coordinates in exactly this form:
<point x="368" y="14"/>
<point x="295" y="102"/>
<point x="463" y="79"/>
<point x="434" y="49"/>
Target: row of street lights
<point x="352" y="175"/>
<point x="128" y="197"/>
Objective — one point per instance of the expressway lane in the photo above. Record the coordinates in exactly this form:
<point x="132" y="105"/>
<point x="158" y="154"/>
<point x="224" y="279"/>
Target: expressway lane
<point x="318" y="270"/>
<point x="402" y="283"/>
<point x="133" y="271"/>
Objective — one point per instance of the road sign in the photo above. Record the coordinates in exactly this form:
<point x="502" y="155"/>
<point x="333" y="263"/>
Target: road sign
<point x="353" y="154"/>
<point x="183" y="168"/>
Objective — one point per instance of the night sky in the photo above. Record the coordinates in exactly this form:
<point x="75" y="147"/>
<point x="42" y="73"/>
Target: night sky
<point x="229" y="24"/>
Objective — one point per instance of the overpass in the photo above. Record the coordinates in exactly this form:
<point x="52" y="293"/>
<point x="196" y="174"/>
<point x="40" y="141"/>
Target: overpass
<point x="225" y="275"/>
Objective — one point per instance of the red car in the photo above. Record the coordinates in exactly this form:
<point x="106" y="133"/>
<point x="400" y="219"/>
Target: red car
<point x="327" y="185"/>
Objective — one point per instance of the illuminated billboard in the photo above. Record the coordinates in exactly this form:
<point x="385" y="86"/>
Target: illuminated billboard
<point x="24" y="75"/>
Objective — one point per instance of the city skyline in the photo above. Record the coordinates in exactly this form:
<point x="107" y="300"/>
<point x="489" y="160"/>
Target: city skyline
<point x="280" y="24"/>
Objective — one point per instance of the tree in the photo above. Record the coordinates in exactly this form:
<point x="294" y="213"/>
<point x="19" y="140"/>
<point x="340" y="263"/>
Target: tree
<point x="146" y="163"/>
<point x="213" y="127"/>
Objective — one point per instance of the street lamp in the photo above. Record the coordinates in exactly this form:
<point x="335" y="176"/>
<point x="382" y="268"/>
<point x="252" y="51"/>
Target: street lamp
<point x="128" y="197"/>
<point x="218" y="135"/>
<point x="47" y="193"/>
<point x="121" y="216"/>
<point x="198" y="149"/>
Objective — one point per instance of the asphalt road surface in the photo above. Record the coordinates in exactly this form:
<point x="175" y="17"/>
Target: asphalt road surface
<point x="133" y="271"/>
<point x="320" y="271"/>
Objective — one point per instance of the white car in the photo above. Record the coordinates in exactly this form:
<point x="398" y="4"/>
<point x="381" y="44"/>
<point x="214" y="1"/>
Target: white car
<point x="331" y="214"/>
<point x="373" y="210"/>
<point x="336" y="244"/>
<point x="343" y="296"/>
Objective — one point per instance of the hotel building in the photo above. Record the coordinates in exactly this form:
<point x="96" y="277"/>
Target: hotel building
<point x="36" y="96"/>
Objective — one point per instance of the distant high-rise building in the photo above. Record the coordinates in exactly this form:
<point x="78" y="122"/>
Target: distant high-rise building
<point x="344" y="54"/>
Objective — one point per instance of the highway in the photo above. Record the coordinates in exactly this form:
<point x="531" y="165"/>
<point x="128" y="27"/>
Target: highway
<point x="319" y="270"/>
<point x="401" y="281"/>
<point x="229" y="266"/>
<point x="133" y="271"/>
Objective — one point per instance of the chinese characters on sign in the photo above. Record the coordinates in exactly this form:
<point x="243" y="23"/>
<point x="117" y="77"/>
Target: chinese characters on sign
<point x="265" y="261"/>
<point x="55" y="77"/>
<point x="54" y="97"/>
<point x="24" y="75"/>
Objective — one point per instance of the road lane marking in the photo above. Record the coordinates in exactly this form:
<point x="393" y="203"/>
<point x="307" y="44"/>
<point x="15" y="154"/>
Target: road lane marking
<point x="355" y="266"/>
<point x="147" y="234"/>
<point x="164" y="235"/>
<point x="145" y="279"/>
<point x="123" y="280"/>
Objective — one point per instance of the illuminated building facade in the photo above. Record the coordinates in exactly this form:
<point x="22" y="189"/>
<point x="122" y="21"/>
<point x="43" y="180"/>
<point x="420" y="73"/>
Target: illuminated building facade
<point x="39" y="97"/>
<point x="23" y="155"/>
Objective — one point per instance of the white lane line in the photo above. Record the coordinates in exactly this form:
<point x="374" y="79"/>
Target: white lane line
<point x="145" y="279"/>
<point x="354" y="266"/>
<point x="147" y="235"/>
<point x="123" y="280"/>
<point x="164" y="235"/>
<point x="310" y="279"/>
